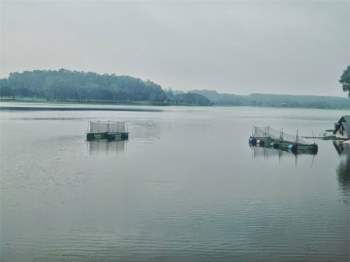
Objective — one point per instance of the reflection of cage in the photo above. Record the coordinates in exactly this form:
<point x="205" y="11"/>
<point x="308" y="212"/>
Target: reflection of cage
<point x="107" y="147"/>
<point x="107" y="126"/>
<point x="265" y="152"/>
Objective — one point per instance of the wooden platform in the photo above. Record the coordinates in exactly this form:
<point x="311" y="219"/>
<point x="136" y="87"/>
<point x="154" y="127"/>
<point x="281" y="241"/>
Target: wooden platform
<point x="107" y="130"/>
<point x="110" y="136"/>
<point x="289" y="146"/>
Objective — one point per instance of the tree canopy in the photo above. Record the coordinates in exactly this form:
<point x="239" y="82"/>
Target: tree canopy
<point x="345" y="80"/>
<point x="66" y="85"/>
<point x="273" y="100"/>
<point x="72" y="85"/>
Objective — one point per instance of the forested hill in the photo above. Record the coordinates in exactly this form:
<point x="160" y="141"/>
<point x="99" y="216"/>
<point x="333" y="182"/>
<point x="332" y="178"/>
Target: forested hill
<point x="74" y="86"/>
<point x="65" y="85"/>
<point x="273" y="100"/>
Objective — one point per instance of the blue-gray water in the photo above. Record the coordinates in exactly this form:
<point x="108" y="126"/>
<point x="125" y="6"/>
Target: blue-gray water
<point x="185" y="187"/>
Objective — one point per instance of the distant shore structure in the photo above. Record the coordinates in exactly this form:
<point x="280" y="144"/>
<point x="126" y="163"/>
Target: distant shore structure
<point x="342" y="127"/>
<point x="107" y="130"/>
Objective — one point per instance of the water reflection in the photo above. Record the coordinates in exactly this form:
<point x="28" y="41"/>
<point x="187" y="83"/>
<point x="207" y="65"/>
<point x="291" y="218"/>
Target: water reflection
<point x="266" y="153"/>
<point x="108" y="147"/>
<point x="343" y="169"/>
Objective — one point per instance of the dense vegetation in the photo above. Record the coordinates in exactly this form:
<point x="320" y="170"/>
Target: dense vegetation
<point x="345" y="80"/>
<point x="74" y="86"/>
<point x="65" y="85"/>
<point x="182" y="98"/>
<point x="275" y="100"/>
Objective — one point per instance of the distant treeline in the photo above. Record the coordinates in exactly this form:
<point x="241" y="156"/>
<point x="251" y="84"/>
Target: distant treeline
<point x="73" y="86"/>
<point x="65" y="85"/>
<point x="271" y="100"/>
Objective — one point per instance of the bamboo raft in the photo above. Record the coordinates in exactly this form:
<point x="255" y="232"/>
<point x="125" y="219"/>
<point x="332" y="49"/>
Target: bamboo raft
<point x="271" y="138"/>
<point x="107" y="130"/>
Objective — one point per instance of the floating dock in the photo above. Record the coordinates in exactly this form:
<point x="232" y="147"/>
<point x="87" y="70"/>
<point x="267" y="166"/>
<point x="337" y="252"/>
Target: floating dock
<point x="107" y="130"/>
<point x="271" y="138"/>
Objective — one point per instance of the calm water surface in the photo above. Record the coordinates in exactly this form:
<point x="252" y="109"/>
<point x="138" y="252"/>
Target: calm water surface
<point x="185" y="187"/>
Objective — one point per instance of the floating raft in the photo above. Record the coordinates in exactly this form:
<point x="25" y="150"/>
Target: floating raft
<point x="107" y="130"/>
<point x="271" y="138"/>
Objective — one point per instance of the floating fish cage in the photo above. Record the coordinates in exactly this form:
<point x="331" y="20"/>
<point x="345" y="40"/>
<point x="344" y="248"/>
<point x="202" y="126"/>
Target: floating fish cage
<point x="107" y="130"/>
<point x="278" y="139"/>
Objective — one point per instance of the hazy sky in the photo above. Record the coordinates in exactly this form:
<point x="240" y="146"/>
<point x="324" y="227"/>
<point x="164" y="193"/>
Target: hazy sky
<point x="297" y="47"/>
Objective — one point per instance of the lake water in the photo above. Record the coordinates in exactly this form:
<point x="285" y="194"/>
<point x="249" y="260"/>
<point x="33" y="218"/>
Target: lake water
<point x="185" y="187"/>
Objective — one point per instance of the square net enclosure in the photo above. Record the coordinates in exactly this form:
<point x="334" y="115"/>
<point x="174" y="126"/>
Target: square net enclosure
<point x="268" y="132"/>
<point x="107" y="127"/>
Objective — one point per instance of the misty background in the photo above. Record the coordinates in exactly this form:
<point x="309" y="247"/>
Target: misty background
<point x="289" y="47"/>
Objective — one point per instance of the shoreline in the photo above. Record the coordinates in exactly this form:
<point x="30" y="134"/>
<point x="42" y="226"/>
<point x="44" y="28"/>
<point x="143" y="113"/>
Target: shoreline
<point x="27" y="108"/>
<point x="67" y="106"/>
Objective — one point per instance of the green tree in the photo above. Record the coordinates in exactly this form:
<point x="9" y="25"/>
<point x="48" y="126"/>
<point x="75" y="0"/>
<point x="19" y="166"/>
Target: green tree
<point x="66" y="85"/>
<point x="345" y="80"/>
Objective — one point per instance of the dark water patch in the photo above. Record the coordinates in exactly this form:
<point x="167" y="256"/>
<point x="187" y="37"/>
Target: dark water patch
<point x="343" y="174"/>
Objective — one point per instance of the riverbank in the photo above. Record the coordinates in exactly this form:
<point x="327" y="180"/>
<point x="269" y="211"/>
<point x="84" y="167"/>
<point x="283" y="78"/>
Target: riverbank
<point x="138" y="104"/>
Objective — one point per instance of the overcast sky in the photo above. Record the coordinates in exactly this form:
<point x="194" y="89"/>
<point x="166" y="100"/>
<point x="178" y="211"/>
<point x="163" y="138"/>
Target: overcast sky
<point x="289" y="47"/>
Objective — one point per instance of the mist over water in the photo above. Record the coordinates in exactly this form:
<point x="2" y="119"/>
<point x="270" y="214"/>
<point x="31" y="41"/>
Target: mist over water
<point x="185" y="187"/>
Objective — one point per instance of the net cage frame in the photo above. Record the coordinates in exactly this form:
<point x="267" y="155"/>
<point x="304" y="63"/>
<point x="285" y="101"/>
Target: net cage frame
<point x="267" y="131"/>
<point x="107" y="127"/>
